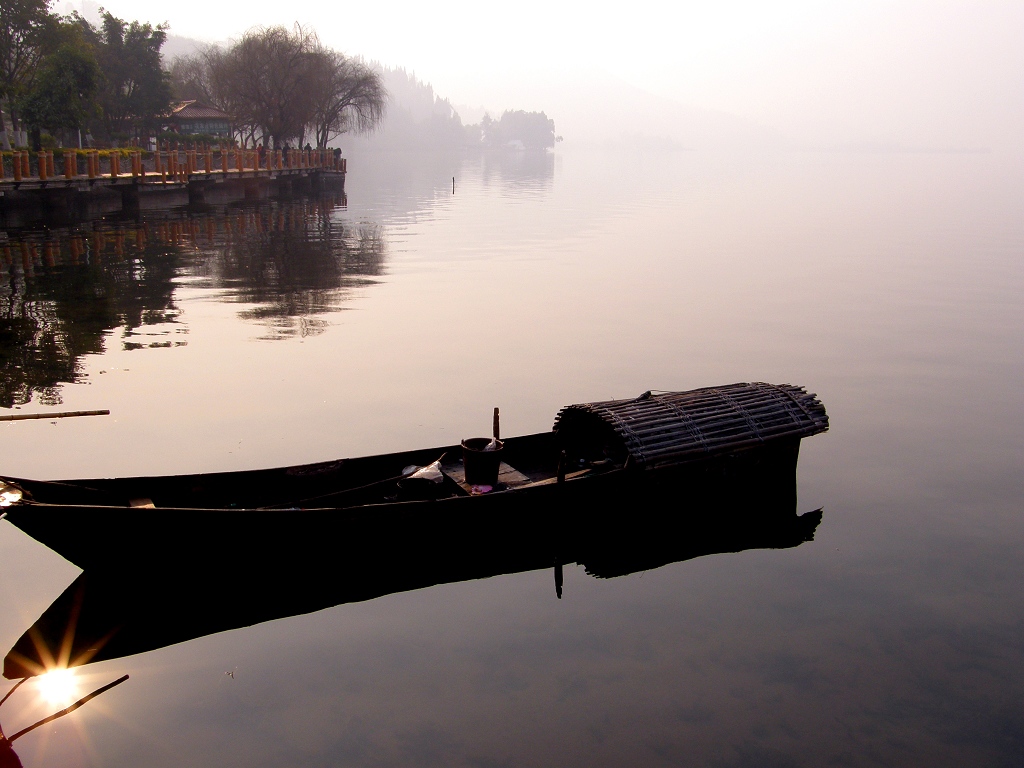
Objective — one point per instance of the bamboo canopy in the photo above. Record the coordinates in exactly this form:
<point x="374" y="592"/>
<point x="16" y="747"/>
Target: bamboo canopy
<point x="665" y="428"/>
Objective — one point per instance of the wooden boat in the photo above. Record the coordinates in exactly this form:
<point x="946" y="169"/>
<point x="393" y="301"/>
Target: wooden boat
<point x="658" y="452"/>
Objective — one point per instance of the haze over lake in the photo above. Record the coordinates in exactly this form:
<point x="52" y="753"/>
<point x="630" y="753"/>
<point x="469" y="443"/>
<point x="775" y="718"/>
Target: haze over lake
<point x="396" y="316"/>
<point x="825" y="195"/>
<point x="905" y="74"/>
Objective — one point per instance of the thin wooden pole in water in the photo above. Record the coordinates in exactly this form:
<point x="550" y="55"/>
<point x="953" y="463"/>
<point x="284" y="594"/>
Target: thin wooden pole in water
<point x="68" y="710"/>
<point x="63" y="415"/>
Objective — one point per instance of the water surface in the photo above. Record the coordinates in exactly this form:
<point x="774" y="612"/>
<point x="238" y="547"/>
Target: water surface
<point x="398" y="315"/>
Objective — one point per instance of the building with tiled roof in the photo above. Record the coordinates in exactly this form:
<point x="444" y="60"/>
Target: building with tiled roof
<point x="190" y="117"/>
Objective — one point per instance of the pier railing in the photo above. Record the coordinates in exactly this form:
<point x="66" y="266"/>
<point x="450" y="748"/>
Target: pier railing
<point x="175" y="166"/>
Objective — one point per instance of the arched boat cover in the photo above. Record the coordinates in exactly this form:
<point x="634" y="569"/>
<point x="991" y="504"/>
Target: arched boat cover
<point x="672" y="427"/>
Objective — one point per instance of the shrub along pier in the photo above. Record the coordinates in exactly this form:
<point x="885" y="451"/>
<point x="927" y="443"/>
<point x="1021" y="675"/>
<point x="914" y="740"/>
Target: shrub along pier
<point x="68" y="181"/>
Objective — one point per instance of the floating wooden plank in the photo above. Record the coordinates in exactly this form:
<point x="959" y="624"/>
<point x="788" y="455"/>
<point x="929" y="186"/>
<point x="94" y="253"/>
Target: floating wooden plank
<point x="59" y="415"/>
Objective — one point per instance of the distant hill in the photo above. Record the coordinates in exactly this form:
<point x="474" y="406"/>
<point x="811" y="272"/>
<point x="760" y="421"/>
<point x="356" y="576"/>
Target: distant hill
<point x="176" y="46"/>
<point x="417" y="118"/>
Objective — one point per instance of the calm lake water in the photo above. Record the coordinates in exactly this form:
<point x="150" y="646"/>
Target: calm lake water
<point x="399" y="314"/>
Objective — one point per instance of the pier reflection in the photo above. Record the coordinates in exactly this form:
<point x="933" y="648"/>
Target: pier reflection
<point x="114" y="612"/>
<point x="67" y="293"/>
<point x="61" y="293"/>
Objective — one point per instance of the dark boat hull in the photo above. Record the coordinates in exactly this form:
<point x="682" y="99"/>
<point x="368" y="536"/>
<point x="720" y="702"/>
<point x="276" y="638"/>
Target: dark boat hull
<point x="93" y="535"/>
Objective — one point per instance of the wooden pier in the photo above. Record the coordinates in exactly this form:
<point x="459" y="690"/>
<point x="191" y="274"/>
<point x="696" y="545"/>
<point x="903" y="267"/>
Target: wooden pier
<point x="37" y="181"/>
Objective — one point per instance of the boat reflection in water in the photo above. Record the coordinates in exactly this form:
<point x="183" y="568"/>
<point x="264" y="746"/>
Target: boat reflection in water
<point x="117" y="611"/>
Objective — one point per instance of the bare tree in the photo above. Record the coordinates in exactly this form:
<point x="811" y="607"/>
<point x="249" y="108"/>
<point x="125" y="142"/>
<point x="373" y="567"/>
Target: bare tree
<point x="268" y="74"/>
<point x="278" y="83"/>
<point x="191" y="79"/>
<point x="348" y="96"/>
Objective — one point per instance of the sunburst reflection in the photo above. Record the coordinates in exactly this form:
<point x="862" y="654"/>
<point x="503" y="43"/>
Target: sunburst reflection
<point x="58" y="687"/>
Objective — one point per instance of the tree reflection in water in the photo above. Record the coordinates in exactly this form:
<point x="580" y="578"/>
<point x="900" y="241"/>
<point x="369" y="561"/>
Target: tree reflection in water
<point x="63" y="292"/>
<point x="292" y="262"/>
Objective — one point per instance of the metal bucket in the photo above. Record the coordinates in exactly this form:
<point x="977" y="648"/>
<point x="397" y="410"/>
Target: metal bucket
<point x="481" y="466"/>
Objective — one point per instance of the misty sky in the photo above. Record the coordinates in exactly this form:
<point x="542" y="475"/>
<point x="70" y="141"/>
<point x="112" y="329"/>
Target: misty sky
<point x="927" y="74"/>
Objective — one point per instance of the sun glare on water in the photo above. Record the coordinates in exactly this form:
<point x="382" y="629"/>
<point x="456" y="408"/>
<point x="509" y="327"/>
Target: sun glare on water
<point x="58" y="686"/>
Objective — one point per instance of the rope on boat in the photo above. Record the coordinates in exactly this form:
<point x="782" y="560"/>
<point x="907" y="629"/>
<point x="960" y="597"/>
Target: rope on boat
<point x="336" y="494"/>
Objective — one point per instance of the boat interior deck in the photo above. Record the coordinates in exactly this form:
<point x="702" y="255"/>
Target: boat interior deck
<point x="527" y="460"/>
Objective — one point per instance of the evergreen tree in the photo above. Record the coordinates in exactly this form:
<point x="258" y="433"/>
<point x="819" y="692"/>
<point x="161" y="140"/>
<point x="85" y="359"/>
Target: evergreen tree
<point x="136" y="91"/>
<point x="24" y="25"/>
<point x="63" y="96"/>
